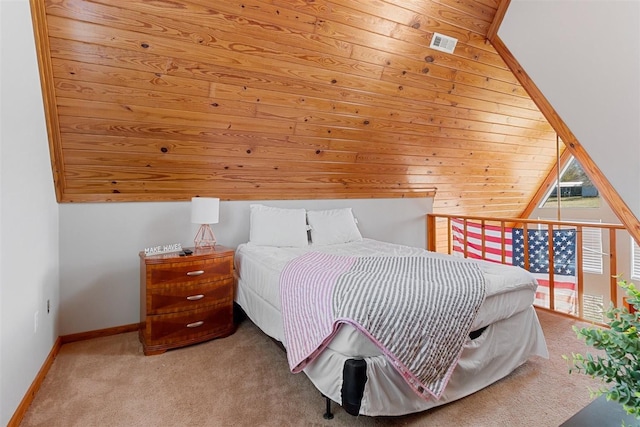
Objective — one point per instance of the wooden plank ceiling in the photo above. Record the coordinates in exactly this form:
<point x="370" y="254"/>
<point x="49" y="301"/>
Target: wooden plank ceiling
<point x="286" y="99"/>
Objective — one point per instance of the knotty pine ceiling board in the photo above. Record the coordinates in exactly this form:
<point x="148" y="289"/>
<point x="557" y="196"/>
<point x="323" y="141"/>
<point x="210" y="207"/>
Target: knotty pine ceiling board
<point x="286" y="99"/>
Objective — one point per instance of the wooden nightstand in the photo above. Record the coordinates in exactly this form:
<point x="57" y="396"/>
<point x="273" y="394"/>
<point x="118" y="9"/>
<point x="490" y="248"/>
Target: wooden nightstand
<point x="185" y="299"/>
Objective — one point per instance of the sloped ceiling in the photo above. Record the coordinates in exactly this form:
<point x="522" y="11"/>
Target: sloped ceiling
<point x="286" y="99"/>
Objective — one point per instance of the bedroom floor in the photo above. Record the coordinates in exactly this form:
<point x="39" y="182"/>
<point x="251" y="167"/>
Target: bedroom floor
<point x="243" y="380"/>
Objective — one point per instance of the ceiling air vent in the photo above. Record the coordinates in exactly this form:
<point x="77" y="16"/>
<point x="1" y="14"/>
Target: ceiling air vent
<point x="443" y="43"/>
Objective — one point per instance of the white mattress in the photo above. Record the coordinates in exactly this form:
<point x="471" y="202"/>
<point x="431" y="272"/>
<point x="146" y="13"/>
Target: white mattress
<point x="513" y="332"/>
<point x="509" y="289"/>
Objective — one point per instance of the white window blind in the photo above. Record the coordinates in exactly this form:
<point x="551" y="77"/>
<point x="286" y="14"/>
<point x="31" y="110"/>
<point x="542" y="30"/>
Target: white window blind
<point x="592" y="250"/>
<point x="593" y="307"/>
<point x="635" y="260"/>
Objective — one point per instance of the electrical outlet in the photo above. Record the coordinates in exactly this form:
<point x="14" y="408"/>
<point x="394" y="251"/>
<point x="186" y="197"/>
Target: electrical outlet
<point x="35" y="322"/>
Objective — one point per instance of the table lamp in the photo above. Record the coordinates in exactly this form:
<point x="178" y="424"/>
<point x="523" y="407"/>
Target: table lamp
<point x="204" y="211"/>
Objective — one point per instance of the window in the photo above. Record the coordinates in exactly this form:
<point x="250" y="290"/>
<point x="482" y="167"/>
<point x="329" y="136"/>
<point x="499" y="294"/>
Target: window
<point x="576" y="189"/>
<point x="592" y="250"/>
<point x="635" y="260"/>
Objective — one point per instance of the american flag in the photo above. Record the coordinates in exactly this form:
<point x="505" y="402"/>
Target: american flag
<point x="564" y="265"/>
<point x="564" y="242"/>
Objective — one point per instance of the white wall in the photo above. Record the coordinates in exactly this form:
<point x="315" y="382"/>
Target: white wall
<point x="29" y="273"/>
<point x="584" y="55"/>
<point x="99" y="246"/>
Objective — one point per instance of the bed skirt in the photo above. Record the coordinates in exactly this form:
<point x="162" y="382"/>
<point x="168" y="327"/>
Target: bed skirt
<point x="501" y="348"/>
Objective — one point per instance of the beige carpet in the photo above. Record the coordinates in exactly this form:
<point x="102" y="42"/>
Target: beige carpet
<point x="243" y="380"/>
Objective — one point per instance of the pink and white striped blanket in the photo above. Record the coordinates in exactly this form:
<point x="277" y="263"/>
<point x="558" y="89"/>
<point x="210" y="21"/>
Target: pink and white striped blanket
<point x="417" y="310"/>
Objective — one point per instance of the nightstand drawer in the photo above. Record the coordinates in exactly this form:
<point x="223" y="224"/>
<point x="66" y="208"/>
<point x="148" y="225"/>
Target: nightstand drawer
<point x="171" y="298"/>
<point x="195" y="271"/>
<point x="184" y="327"/>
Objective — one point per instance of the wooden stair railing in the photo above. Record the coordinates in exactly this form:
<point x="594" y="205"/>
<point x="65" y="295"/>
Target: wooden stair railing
<point x="437" y="224"/>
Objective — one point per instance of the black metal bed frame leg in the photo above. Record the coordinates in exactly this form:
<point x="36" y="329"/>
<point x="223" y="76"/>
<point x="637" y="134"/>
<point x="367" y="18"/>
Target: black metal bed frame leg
<point x="328" y="415"/>
<point x="354" y="378"/>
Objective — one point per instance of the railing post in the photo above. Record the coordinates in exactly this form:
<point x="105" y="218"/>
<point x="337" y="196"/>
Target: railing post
<point x="483" y="239"/>
<point x="504" y="243"/>
<point x="613" y="268"/>
<point x="525" y="236"/>
<point x="579" y="271"/>
<point x="431" y="232"/>
<point x="552" y="267"/>
<point x="465" y="231"/>
<point x="450" y="236"/>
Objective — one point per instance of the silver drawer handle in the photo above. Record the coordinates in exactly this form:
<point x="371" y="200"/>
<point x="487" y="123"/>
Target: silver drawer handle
<point x="195" y="273"/>
<point x="195" y="297"/>
<point x="195" y="324"/>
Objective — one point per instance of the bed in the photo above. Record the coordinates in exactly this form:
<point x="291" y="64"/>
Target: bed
<point x="350" y="367"/>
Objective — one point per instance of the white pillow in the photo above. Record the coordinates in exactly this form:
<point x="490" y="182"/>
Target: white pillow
<point x="333" y="226"/>
<point x="270" y="226"/>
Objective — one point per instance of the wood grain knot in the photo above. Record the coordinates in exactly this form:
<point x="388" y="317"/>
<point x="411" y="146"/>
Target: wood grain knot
<point x="428" y="58"/>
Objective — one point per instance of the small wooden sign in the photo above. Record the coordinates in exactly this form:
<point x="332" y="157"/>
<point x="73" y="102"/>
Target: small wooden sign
<point x="163" y="249"/>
